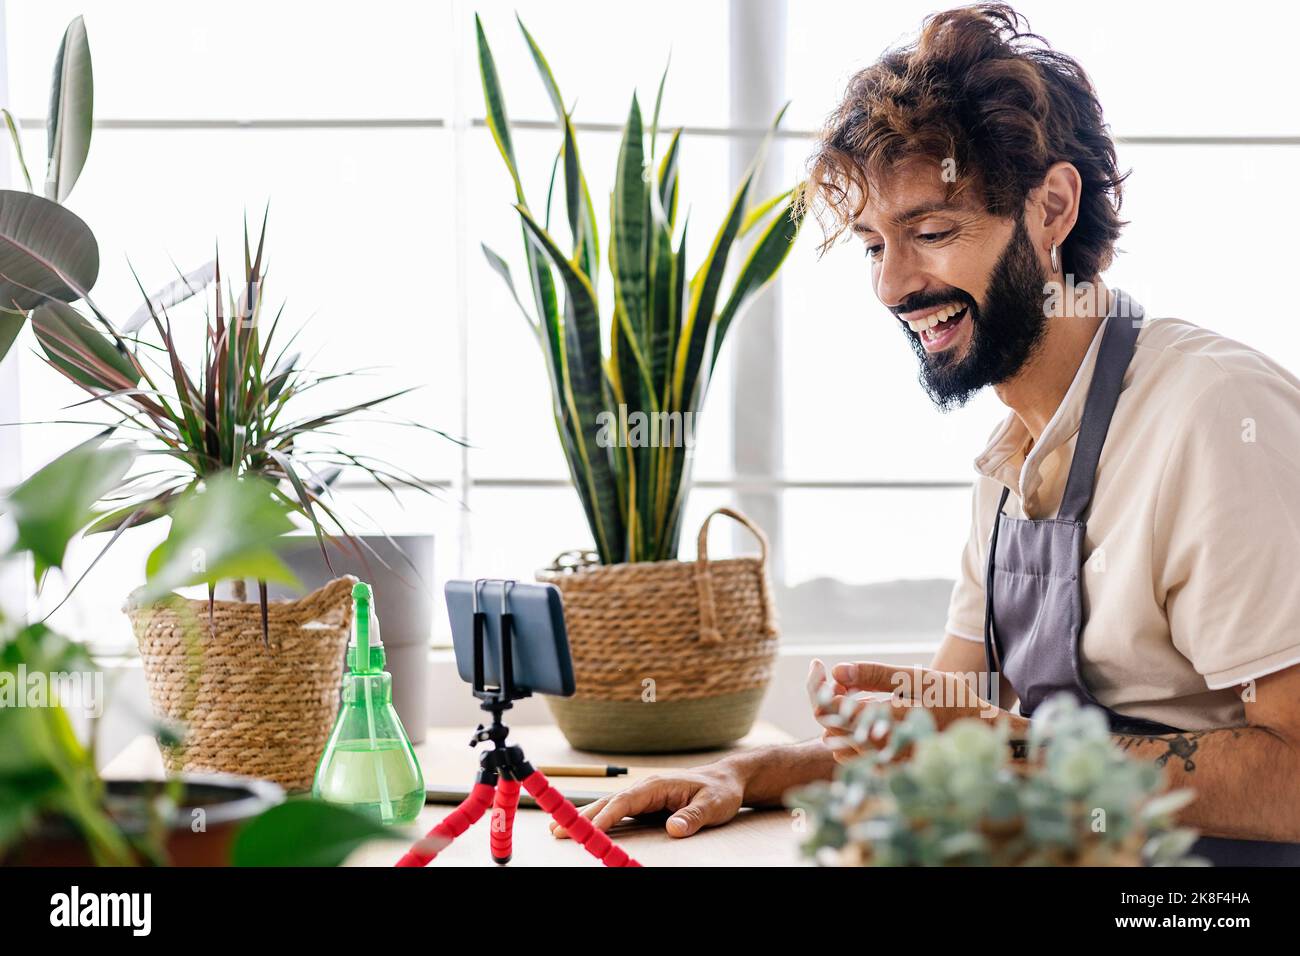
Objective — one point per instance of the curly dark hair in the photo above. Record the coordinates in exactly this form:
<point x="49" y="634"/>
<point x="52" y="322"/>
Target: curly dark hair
<point x="977" y="88"/>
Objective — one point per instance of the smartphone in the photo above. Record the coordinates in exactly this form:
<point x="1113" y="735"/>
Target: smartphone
<point x="540" y="645"/>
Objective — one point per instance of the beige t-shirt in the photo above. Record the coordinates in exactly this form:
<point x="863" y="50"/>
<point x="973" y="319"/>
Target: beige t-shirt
<point x="1190" y="583"/>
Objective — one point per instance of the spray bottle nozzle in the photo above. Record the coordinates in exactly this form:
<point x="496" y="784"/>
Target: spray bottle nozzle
<point x="365" y="629"/>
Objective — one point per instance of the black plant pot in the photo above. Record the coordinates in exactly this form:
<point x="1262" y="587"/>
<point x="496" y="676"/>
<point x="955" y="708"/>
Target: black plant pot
<point x="211" y="810"/>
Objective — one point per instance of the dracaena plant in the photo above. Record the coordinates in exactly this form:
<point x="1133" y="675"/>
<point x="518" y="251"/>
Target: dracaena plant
<point x="232" y="413"/>
<point x="233" y="416"/>
<point x="648" y="358"/>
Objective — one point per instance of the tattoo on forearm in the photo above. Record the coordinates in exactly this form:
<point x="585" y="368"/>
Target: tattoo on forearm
<point x="1177" y="746"/>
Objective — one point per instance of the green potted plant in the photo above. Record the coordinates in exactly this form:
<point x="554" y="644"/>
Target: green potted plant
<point x="957" y="798"/>
<point x="695" y="639"/>
<point x="55" y="809"/>
<point x="233" y="415"/>
<point x="267" y="687"/>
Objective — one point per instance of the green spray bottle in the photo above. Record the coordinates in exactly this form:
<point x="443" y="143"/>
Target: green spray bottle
<point x="368" y="764"/>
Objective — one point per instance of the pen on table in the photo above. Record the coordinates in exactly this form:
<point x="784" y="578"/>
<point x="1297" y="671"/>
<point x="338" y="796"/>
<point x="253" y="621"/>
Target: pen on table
<point x="451" y="796"/>
<point x="582" y="770"/>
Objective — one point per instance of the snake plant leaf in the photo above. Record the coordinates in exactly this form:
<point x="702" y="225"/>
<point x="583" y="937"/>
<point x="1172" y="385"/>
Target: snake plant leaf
<point x="51" y="506"/>
<point x="46" y="252"/>
<point x="18" y="147"/>
<point x="550" y="185"/>
<point x="668" y="178"/>
<point x="763" y="209"/>
<point x="68" y="127"/>
<point x="704" y="291"/>
<point x="498" y="123"/>
<point x="633" y="363"/>
<point x="668" y="490"/>
<point x="81" y="351"/>
<point x="705" y="287"/>
<point x="659" y="102"/>
<point x="581" y="389"/>
<point x="664" y="301"/>
<point x="582" y="215"/>
<point x="173" y="294"/>
<point x="769" y="252"/>
<point x="502" y="268"/>
<point x="629" y="225"/>
<point x="228" y="529"/>
<point x="549" y="344"/>
<point x="543" y="68"/>
<point x="582" y="220"/>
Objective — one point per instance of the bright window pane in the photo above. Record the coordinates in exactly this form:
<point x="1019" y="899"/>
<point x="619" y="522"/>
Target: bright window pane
<point x="1158" y="67"/>
<point x="242" y="59"/>
<point x="599" y="52"/>
<point x="363" y="274"/>
<point x="1186" y="255"/>
<point x="875" y="534"/>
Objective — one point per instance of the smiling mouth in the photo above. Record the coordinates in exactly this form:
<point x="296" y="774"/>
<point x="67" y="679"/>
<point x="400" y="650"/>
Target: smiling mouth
<point x="939" y="326"/>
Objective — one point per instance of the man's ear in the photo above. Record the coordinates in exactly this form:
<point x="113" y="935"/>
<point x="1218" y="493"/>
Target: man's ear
<point x="1054" y="205"/>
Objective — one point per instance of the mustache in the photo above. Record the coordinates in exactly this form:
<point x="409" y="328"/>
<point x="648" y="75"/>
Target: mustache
<point x="928" y="300"/>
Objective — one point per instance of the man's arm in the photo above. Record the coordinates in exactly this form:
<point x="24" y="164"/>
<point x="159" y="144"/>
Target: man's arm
<point x="769" y="772"/>
<point x="712" y="794"/>
<point x="1247" y="779"/>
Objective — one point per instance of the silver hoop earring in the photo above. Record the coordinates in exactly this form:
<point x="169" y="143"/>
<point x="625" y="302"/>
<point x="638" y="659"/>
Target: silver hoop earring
<point x="1056" y="261"/>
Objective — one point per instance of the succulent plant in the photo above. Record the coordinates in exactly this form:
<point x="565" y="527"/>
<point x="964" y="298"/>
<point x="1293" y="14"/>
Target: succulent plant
<point x="954" y="798"/>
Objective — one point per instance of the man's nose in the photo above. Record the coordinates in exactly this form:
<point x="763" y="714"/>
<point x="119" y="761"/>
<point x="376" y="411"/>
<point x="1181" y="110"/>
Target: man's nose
<point x="898" y="278"/>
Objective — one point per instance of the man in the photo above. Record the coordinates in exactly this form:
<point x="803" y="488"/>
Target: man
<point x="1144" y="488"/>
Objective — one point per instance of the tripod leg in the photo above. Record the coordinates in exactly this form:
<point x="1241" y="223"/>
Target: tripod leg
<point x="594" y="841"/>
<point x="452" y="826"/>
<point x="503" y="819"/>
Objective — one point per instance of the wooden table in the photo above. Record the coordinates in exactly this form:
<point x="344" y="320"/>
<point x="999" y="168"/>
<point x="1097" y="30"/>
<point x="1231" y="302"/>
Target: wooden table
<point x="755" y="838"/>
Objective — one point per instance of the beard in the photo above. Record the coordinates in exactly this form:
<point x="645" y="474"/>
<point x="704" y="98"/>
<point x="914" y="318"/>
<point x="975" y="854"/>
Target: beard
<point x="1007" y="328"/>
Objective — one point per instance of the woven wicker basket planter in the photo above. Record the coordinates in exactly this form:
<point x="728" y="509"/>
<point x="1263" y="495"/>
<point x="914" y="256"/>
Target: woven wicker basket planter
<point x="668" y="656"/>
<point x="247" y="708"/>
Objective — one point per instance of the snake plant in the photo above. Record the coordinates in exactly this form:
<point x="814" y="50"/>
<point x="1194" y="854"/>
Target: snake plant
<point x="666" y="326"/>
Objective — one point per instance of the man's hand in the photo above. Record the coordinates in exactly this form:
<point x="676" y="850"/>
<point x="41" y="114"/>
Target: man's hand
<point x="838" y="699"/>
<point x="702" y="797"/>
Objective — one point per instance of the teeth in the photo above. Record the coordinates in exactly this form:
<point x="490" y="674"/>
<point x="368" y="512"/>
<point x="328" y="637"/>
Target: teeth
<point x="934" y="318"/>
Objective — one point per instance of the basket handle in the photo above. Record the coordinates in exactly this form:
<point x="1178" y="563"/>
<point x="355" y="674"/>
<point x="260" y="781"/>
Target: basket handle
<point x="709" y="633"/>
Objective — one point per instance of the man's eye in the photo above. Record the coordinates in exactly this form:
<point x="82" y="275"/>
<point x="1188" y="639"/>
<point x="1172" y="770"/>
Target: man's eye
<point x="873" y="251"/>
<point x="934" y="236"/>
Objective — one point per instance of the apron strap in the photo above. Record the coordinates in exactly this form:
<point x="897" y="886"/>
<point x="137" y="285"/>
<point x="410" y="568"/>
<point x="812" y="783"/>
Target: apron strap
<point x="1117" y="341"/>
<point x="992" y="653"/>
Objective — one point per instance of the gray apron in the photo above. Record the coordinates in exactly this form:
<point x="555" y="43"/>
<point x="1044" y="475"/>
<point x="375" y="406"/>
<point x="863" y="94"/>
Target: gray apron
<point x="1033" y="602"/>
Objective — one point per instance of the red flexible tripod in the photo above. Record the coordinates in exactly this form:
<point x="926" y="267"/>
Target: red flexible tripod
<point x="504" y="769"/>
